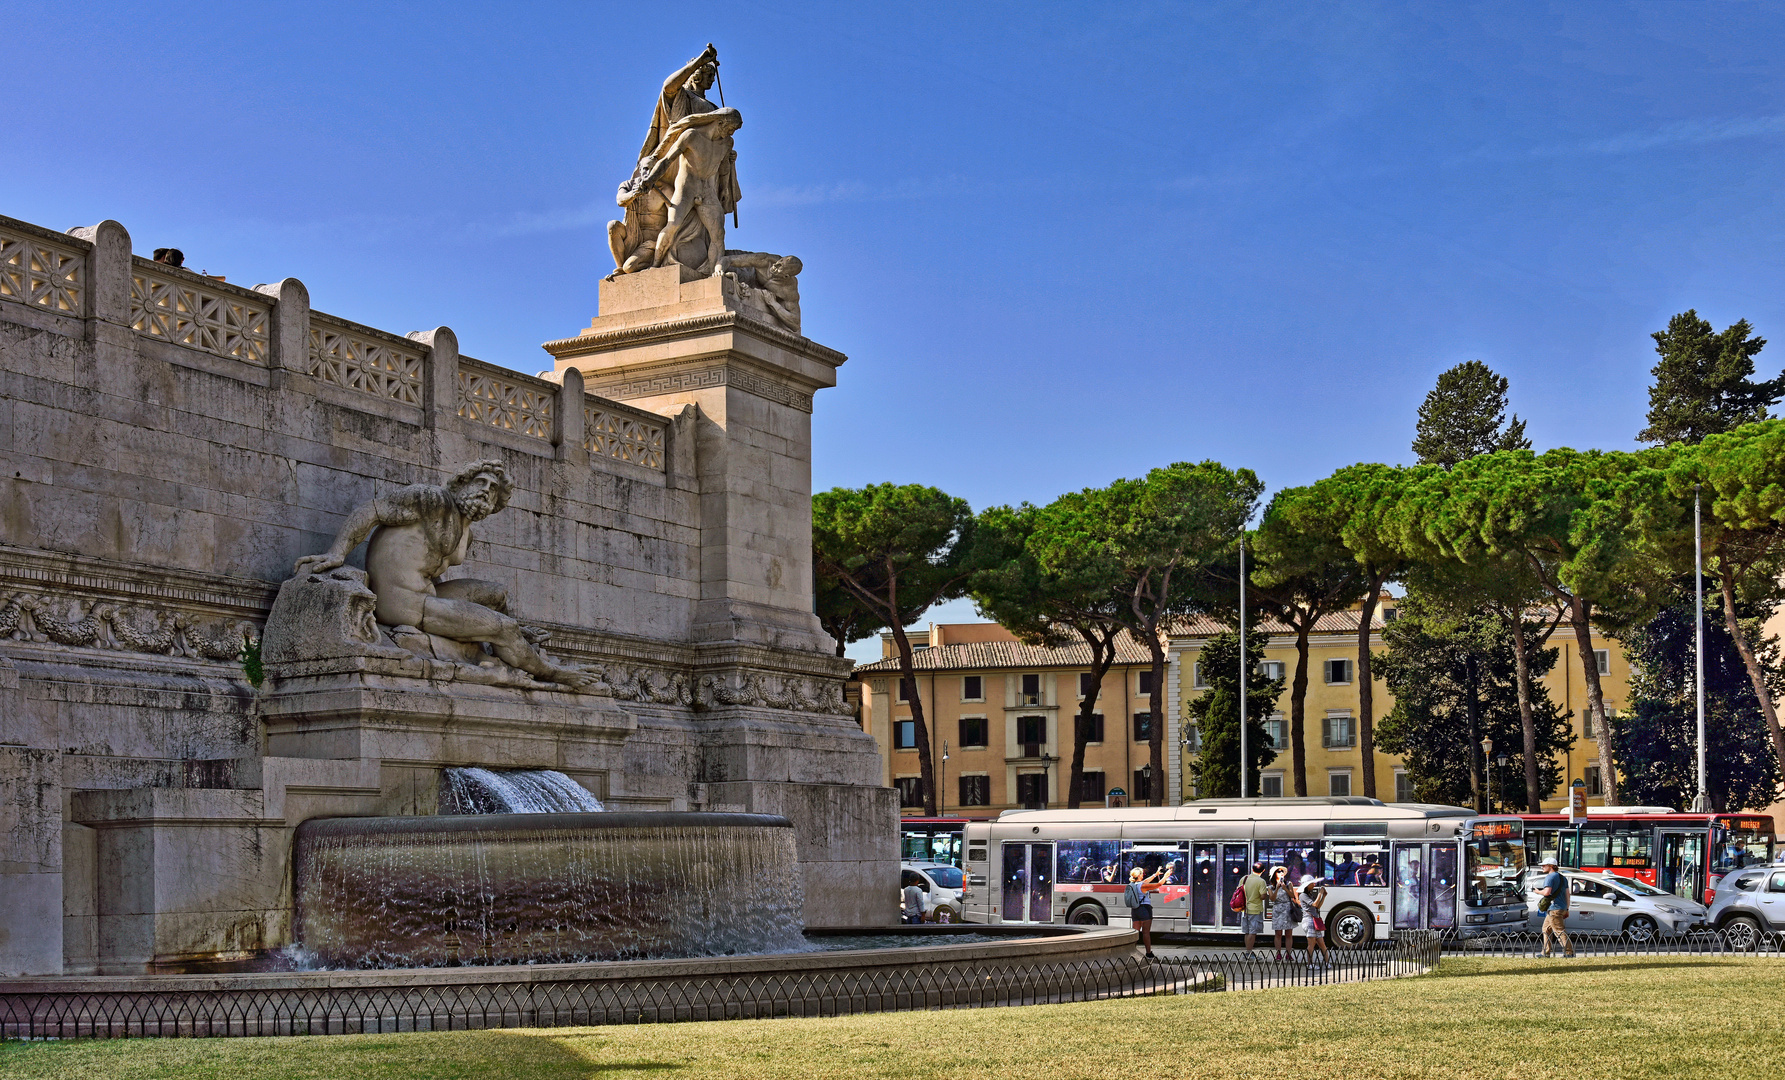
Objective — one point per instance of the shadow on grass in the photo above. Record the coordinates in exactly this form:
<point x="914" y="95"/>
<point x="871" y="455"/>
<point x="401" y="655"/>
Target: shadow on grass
<point x="634" y="1066"/>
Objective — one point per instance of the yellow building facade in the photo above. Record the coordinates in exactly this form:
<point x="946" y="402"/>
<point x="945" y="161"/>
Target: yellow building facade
<point x="1003" y="713"/>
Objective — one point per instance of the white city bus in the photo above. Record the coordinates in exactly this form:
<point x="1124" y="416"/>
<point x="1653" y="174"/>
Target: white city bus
<point x="1389" y="866"/>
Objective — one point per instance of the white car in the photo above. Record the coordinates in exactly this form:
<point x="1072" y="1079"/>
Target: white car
<point x="1605" y="905"/>
<point x="941" y="885"/>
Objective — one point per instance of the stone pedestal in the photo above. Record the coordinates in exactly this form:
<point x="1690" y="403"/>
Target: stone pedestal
<point x="662" y="344"/>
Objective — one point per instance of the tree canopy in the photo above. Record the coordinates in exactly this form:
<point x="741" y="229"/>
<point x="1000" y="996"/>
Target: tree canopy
<point x="1216" y="712"/>
<point x="1464" y="416"/>
<point x="1703" y="381"/>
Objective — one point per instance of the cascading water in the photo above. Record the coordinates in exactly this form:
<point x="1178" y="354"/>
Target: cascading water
<point x="544" y="888"/>
<point x="513" y="791"/>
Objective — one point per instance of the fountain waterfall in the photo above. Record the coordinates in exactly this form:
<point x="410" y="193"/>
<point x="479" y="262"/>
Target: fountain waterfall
<point x="544" y="888"/>
<point x="513" y="791"/>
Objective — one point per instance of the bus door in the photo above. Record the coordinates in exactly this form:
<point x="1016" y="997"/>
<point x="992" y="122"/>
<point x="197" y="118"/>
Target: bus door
<point x="1028" y="883"/>
<point x="1207" y="901"/>
<point x="1425" y="892"/>
<point x="1411" y="873"/>
<point x="1235" y="864"/>
<point x="1682" y="864"/>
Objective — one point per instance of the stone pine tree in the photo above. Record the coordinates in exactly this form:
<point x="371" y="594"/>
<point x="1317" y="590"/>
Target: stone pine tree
<point x="1047" y="588"/>
<point x="1163" y="531"/>
<point x="1216" y="769"/>
<point x="898" y="549"/>
<point x="1742" y="476"/>
<point x="1704" y="381"/>
<point x="1465" y="416"/>
<point x="1658" y="734"/>
<point x="1303" y="573"/>
<point x="1453" y="673"/>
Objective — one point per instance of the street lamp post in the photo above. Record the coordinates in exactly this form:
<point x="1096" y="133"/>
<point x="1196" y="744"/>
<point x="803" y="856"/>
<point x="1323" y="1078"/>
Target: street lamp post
<point x="1487" y="761"/>
<point x="942" y="796"/>
<point x="1244" y="667"/>
<point x="1701" y="803"/>
<point x="1503" y="762"/>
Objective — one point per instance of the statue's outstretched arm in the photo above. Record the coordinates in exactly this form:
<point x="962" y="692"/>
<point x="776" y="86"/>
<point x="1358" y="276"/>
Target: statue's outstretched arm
<point x="359" y="525"/>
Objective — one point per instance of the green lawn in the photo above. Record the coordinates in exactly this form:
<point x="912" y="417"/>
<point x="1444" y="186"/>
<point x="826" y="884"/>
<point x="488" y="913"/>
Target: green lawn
<point x="1500" y="1018"/>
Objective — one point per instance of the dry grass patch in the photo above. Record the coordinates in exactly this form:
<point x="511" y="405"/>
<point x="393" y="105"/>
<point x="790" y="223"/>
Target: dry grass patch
<point x="1622" y="1018"/>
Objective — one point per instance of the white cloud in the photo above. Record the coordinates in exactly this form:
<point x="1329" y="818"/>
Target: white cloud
<point x="1683" y="133"/>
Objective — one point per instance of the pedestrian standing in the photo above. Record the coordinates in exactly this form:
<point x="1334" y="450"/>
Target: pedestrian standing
<point x="1313" y="896"/>
<point x="1284" y="917"/>
<point x="1252" y="886"/>
<point x="1138" y="897"/>
<point x="913" y="898"/>
<point x="1555" y="889"/>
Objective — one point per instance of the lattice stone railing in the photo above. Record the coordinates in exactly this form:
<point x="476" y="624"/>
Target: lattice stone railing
<point x="488" y="395"/>
<point x="353" y="361"/>
<point x="188" y="313"/>
<point x="628" y="438"/>
<point x="39" y="273"/>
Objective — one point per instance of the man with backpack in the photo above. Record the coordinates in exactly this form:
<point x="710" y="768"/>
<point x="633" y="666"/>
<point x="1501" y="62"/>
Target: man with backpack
<point x="1248" y="900"/>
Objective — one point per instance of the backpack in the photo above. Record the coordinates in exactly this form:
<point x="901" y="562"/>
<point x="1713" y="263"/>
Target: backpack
<point x="1237" y="902"/>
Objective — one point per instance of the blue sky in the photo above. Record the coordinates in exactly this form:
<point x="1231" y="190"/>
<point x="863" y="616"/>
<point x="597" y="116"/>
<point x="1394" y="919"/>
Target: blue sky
<point x="1060" y="243"/>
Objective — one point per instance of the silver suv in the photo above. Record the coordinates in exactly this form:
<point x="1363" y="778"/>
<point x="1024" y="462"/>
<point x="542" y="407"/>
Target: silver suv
<point x="1612" y="906"/>
<point x="1749" y="904"/>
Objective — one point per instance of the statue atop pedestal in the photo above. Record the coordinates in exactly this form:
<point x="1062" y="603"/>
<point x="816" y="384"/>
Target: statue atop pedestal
<point x="682" y="186"/>
<point x="412" y="536"/>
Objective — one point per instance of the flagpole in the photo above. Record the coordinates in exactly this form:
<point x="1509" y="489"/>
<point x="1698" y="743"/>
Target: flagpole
<point x="1243" y="672"/>
<point x="1702" y="803"/>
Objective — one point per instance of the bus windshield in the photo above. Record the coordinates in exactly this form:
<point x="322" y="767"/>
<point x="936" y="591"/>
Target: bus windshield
<point x="1736" y="844"/>
<point x="1494" y="862"/>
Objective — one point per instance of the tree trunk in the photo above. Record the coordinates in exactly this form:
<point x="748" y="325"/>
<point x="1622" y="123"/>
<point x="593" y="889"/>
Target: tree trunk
<point x="1298" y="700"/>
<point x="1756" y="674"/>
<point x="1580" y="617"/>
<point x="1366" y="699"/>
<point x="1477" y="756"/>
<point x="1156" y="725"/>
<point x="1527" y="722"/>
<point x="1103" y="655"/>
<point x="908" y="675"/>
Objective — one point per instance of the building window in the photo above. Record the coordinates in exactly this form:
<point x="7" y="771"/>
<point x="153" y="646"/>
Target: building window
<point x="1193" y="737"/>
<point x="1602" y="660"/>
<point x="1143" y="727"/>
<point x="1031" y="691"/>
<point x="1403" y="787"/>
<point x="1338" y="732"/>
<point x="1143" y="784"/>
<point x="1091" y="788"/>
<point x="1031" y="790"/>
<point x="1196" y="677"/>
<point x="1031" y="732"/>
<point x="1091" y="728"/>
<point x="1586" y="722"/>
<point x="972" y="731"/>
<point x="1338" y="783"/>
<point x="1146" y="682"/>
<point x="1270" y="785"/>
<point x="904" y="734"/>
<point x="972" y="688"/>
<point x="905" y="690"/>
<point x="1591" y="775"/>
<point x="1338" y="672"/>
<point x="976" y="790"/>
<point x="1086" y="680"/>
<point x="910" y="790"/>
<point x="1278" y="730"/>
<point x="1272" y="669"/>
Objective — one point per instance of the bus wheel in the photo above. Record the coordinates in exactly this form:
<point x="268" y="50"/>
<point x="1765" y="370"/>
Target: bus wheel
<point x="1089" y="913"/>
<point x="1742" y="933"/>
<point x="1641" y="929"/>
<point x="1350" y="928"/>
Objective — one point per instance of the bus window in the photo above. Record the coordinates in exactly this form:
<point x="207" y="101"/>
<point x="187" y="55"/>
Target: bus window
<point x="1152" y="860"/>
<point x="1355" y="863"/>
<point x="1495" y="870"/>
<point x="1628" y="846"/>
<point x="1595" y="848"/>
<point x="1302" y="858"/>
<point x="1543" y="844"/>
<point x="1737" y="843"/>
<point x="1090" y="861"/>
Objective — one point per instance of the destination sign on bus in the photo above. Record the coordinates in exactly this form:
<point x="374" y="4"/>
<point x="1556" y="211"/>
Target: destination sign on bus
<point x="1497" y="830"/>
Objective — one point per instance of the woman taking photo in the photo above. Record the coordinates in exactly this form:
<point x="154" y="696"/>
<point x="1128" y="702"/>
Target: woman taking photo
<point x="1313" y="899"/>
<point x="1283" y="915"/>
<point x="1139" y="900"/>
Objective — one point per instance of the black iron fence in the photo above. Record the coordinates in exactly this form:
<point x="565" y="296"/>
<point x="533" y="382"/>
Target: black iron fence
<point x="320" y="1009"/>
<point x="1737" y="940"/>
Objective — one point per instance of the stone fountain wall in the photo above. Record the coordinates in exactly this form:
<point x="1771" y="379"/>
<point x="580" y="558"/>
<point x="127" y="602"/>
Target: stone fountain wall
<point x="171" y="443"/>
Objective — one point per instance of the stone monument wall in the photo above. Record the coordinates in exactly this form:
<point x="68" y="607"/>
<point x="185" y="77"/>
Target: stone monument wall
<point x="169" y="445"/>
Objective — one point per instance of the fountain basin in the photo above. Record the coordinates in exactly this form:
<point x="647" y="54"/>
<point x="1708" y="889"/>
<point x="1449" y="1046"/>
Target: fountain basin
<point x="407" y="892"/>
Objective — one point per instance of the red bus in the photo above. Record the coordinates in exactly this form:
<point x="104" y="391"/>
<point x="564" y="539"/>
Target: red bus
<point x="1685" y="854"/>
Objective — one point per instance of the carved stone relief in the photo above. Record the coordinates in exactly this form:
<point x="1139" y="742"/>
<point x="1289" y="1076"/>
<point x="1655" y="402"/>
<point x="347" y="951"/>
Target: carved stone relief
<point x="100" y="624"/>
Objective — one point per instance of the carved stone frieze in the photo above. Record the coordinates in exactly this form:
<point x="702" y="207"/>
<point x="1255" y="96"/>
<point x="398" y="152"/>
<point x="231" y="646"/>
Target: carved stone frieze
<point x="78" y="622"/>
<point x="755" y="689"/>
<point x="641" y="684"/>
